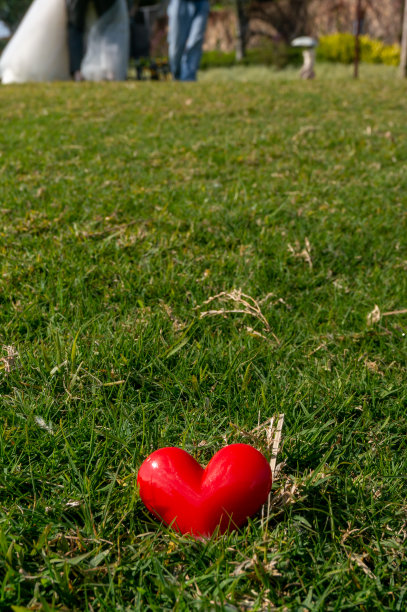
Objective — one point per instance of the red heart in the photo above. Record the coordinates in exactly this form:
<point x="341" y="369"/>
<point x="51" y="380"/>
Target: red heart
<point x="232" y="487"/>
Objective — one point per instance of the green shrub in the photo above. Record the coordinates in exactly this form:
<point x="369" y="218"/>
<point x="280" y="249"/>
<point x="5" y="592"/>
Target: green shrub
<point x="391" y="55"/>
<point x="266" y="53"/>
<point x="376" y="52"/>
<point x="271" y="53"/>
<point x="340" y="47"/>
<point x="337" y="48"/>
<point x="217" y="59"/>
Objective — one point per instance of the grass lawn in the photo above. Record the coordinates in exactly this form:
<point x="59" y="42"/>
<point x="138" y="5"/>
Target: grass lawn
<point x="124" y="208"/>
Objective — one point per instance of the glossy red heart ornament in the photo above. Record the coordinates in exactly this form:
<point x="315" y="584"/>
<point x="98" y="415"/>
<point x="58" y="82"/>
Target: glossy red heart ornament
<point x="232" y="487"/>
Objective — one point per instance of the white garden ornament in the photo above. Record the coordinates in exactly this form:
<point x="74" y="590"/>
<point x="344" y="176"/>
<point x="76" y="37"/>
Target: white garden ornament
<point x="307" y="44"/>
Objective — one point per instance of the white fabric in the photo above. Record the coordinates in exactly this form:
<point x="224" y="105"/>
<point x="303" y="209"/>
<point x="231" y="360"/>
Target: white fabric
<point x="107" y="52"/>
<point x="38" y="51"/>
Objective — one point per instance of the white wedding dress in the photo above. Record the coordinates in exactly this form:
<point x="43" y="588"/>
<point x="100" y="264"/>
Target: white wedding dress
<point x="107" y="47"/>
<point x="38" y="51"/>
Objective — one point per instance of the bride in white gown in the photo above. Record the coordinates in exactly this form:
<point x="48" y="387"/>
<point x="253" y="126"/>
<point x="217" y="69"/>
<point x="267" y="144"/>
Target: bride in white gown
<point x="38" y="51"/>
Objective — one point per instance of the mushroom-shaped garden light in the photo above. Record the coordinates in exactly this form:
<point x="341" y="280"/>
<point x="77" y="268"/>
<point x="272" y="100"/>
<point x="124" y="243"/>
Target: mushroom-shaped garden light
<point x="307" y="44"/>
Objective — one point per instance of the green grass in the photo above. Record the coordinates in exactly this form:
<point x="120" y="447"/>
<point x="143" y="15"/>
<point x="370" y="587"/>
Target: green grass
<point x="124" y="207"/>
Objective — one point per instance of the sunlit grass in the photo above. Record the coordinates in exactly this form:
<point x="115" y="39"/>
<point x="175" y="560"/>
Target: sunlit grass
<point x="124" y="208"/>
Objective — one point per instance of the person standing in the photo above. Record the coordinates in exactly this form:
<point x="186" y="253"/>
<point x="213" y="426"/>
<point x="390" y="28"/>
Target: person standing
<point x="187" y="21"/>
<point x="76" y="10"/>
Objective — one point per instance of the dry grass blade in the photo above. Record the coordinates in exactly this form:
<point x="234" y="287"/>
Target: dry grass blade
<point x="44" y="425"/>
<point x="10" y="361"/>
<point x="276" y="443"/>
<point x="304" y="253"/>
<point x="273" y="440"/>
<point x="394" y="312"/>
<point x="246" y="305"/>
<point x="249" y="564"/>
<point x="249" y="305"/>
<point x="376" y="315"/>
<point x="359" y="560"/>
<point x="111" y="229"/>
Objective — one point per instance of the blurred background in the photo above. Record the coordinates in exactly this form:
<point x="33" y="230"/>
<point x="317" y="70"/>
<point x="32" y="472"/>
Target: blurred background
<point x="260" y="31"/>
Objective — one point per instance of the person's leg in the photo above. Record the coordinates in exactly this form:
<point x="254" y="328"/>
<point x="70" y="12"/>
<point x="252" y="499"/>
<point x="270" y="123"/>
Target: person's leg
<point x="179" y="20"/>
<point x="76" y="12"/>
<point x="193" y="49"/>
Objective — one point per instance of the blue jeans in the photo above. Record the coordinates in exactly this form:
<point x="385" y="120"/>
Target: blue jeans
<point x="186" y="30"/>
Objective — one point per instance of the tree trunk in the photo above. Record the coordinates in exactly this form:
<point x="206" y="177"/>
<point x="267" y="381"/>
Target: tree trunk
<point x="403" y="51"/>
<point x="358" y="29"/>
<point x="242" y="29"/>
